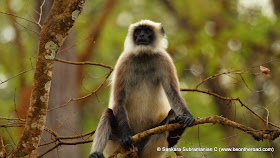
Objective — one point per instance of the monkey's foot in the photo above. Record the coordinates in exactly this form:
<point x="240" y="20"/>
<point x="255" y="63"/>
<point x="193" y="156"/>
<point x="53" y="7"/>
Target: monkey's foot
<point x="185" y="120"/>
<point x="126" y="141"/>
<point x="96" y="155"/>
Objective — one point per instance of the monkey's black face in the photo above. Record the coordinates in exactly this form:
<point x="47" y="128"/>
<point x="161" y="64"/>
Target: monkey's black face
<point x="143" y="35"/>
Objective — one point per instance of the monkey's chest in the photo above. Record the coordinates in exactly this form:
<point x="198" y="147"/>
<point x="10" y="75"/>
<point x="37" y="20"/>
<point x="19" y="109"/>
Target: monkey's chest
<point x="143" y="69"/>
<point x="140" y="76"/>
<point x="146" y="107"/>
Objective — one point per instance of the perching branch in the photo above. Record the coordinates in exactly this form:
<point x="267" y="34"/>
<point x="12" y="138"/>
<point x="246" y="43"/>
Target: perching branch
<point x="257" y="134"/>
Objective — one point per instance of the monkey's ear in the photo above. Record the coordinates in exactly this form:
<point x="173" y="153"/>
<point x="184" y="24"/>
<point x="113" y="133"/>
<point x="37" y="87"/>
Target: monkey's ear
<point x="162" y="30"/>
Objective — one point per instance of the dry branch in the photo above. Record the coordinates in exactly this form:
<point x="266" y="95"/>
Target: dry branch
<point x="86" y="96"/>
<point x="257" y="134"/>
<point x="16" y="75"/>
<point x="18" y="17"/>
<point x="65" y="143"/>
<point x="60" y="140"/>
<point x="217" y="75"/>
<point x="231" y="99"/>
<point x="84" y="63"/>
<point x="2" y="148"/>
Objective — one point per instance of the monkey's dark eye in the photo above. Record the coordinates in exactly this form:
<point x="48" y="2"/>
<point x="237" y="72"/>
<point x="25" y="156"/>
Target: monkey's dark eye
<point x="137" y="32"/>
<point x="148" y="31"/>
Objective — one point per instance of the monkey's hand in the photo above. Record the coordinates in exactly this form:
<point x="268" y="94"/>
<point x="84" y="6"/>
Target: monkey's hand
<point x="126" y="140"/>
<point x="186" y="119"/>
<point x="96" y="155"/>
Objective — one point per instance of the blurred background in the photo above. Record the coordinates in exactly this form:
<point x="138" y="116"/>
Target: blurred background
<point x="205" y="38"/>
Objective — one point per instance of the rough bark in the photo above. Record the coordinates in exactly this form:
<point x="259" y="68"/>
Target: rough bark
<point x="65" y="121"/>
<point x="58" y="24"/>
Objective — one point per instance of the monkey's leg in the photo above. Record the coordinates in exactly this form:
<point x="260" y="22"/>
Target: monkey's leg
<point x="149" y="147"/>
<point x="175" y="135"/>
<point x="102" y="134"/>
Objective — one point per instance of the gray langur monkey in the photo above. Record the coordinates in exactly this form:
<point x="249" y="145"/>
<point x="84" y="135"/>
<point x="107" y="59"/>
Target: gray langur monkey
<point x="145" y="94"/>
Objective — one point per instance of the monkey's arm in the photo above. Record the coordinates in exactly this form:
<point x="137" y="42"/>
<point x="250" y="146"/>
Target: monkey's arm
<point x="123" y="129"/>
<point x="170" y="84"/>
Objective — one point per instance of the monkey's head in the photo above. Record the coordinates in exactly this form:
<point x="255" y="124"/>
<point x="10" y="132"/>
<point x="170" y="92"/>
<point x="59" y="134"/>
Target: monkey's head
<point x="145" y="36"/>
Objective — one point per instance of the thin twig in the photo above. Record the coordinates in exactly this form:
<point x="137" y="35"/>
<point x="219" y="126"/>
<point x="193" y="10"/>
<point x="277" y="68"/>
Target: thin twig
<point x="232" y="99"/>
<point x="11" y="119"/>
<point x="64" y="143"/>
<point x="83" y="97"/>
<point x="2" y="147"/>
<point x="216" y="75"/>
<point x="58" y="138"/>
<point x="19" y="17"/>
<point x="40" y="14"/>
<point x="26" y="27"/>
<point x="83" y="63"/>
<point x="1" y="82"/>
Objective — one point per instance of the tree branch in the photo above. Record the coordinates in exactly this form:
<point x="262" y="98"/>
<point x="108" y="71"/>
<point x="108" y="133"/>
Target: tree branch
<point x="59" y="140"/>
<point x="2" y="147"/>
<point x="83" y="63"/>
<point x="65" y="143"/>
<point x="257" y="134"/>
<point x="1" y="82"/>
<point x="19" y="17"/>
<point x="86" y="96"/>
<point x="231" y="99"/>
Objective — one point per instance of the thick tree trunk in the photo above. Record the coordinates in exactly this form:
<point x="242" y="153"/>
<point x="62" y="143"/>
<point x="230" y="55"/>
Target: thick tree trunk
<point x="64" y="86"/>
<point x="58" y="24"/>
<point x="65" y="121"/>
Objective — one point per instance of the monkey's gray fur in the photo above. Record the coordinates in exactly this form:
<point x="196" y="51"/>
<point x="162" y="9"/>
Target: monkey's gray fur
<point x="145" y="93"/>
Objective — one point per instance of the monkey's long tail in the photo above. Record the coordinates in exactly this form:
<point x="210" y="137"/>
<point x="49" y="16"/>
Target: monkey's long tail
<point x="103" y="131"/>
